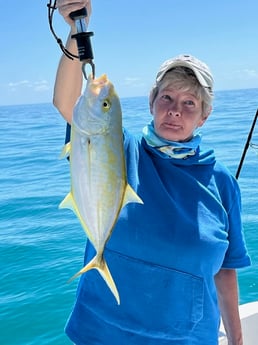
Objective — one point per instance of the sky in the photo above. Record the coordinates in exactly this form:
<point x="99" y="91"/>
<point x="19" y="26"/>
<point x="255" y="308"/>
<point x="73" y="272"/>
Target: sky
<point x="131" y="39"/>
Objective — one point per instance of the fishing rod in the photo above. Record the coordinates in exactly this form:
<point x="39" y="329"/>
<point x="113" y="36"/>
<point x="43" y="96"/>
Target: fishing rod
<point x="82" y="36"/>
<point x="247" y="144"/>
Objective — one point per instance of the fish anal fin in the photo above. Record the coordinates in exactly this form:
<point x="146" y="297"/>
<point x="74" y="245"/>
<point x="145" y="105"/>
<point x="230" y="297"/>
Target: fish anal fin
<point x="65" y="151"/>
<point x="131" y="196"/>
<point x="99" y="263"/>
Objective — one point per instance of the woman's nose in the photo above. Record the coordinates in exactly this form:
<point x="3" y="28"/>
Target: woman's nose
<point x="174" y="110"/>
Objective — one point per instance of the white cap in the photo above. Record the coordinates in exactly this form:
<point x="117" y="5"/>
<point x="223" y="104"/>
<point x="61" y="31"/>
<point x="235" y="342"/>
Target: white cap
<point x="199" y="68"/>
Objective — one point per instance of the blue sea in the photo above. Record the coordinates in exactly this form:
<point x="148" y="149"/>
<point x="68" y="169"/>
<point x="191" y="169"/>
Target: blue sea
<point x="41" y="247"/>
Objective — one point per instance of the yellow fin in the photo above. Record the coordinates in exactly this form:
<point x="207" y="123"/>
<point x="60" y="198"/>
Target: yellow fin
<point x="68" y="202"/>
<point x="131" y="196"/>
<point x="99" y="263"/>
<point x="65" y="151"/>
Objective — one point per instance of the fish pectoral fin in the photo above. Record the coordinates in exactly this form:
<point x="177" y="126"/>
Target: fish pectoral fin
<point x="99" y="263"/>
<point x="68" y="202"/>
<point x="131" y="196"/>
<point x="65" y="151"/>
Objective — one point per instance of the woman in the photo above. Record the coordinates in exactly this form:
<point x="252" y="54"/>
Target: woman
<point x="174" y="258"/>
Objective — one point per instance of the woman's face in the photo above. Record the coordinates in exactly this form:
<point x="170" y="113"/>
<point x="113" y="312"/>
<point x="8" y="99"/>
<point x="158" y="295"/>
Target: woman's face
<point x="176" y="114"/>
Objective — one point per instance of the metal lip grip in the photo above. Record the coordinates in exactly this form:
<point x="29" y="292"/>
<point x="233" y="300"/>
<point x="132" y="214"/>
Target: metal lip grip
<point x="83" y="40"/>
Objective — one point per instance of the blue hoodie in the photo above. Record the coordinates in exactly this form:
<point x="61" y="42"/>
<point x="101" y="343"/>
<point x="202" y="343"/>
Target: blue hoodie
<point x="163" y="255"/>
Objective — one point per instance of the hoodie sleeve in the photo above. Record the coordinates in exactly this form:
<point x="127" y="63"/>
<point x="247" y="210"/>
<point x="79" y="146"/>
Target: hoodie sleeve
<point x="236" y="255"/>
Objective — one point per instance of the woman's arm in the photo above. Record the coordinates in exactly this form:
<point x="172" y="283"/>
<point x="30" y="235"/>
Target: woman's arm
<point x="68" y="83"/>
<point x="69" y="78"/>
<point x="227" y="290"/>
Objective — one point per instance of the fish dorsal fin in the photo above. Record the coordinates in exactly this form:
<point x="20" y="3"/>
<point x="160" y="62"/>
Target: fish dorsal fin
<point x="65" y="151"/>
<point x="131" y="196"/>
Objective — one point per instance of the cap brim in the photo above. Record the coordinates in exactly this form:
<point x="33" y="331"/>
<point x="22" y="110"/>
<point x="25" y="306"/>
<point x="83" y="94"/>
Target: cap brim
<point x="178" y="63"/>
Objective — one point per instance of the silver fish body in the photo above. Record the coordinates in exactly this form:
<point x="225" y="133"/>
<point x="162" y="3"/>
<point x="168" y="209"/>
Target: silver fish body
<point x="99" y="187"/>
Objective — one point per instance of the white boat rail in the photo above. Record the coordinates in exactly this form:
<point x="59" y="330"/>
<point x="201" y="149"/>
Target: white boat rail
<point x="249" y="322"/>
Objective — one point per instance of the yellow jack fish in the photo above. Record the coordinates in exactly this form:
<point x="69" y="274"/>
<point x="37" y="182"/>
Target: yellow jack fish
<point x="99" y="187"/>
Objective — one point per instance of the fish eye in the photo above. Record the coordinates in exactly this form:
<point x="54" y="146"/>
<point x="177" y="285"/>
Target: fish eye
<point x="106" y="105"/>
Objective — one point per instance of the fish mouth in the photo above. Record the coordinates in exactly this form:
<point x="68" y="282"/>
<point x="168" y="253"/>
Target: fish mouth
<point x="98" y="84"/>
<point x="101" y="87"/>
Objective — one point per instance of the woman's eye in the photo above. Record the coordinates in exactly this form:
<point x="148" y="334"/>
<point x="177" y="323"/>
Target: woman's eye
<point x="166" y="97"/>
<point x="189" y="102"/>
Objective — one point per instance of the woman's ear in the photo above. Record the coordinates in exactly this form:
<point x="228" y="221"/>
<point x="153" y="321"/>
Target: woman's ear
<point x="205" y="117"/>
<point x="202" y="121"/>
<point x="208" y="112"/>
<point x="152" y="96"/>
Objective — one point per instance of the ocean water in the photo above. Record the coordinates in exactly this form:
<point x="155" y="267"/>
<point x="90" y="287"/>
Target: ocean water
<point x="41" y="247"/>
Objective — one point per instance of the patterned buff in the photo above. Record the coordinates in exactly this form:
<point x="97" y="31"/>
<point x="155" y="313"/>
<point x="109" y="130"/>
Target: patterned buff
<point x="173" y="149"/>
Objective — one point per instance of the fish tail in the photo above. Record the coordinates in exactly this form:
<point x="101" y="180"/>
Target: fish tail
<point x="106" y="275"/>
<point x="99" y="263"/>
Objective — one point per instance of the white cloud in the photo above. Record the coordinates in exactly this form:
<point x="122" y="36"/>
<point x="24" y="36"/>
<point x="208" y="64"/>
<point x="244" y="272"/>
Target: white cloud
<point x="250" y="73"/>
<point x="14" y="85"/>
<point x="26" y="92"/>
<point x="133" y="81"/>
<point x="245" y="74"/>
<point x="41" y="86"/>
<point x="37" y="86"/>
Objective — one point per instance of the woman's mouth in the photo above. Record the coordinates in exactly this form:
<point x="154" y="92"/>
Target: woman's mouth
<point x="173" y="126"/>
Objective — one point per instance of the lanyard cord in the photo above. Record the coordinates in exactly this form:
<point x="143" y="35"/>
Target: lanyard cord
<point x="51" y="10"/>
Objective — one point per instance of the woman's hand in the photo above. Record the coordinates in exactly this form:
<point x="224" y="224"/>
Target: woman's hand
<point x="65" y="7"/>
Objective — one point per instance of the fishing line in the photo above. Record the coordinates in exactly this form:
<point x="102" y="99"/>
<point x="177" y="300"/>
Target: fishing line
<point x="247" y="144"/>
<point x="254" y="146"/>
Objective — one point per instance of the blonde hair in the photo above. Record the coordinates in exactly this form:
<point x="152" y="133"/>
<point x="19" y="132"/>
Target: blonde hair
<point x="184" y="79"/>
